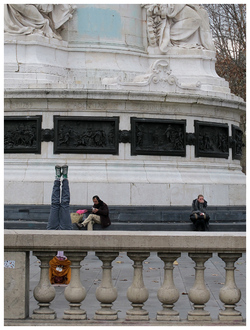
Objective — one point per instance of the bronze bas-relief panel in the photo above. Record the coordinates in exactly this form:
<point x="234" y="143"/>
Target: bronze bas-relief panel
<point x="212" y="139"/>
<point x="95" y="135"/>
<point x="237" y="142"/>
<point x="22" y="134"/>
<point x="158" y="137"/>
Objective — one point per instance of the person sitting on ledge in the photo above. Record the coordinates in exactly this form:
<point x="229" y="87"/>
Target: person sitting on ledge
<point x="100" y="215"/>
<point x="199" y="217"/>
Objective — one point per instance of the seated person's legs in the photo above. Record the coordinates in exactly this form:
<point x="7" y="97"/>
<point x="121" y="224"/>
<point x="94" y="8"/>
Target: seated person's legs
<point x="201" y="223"/>
<point x="91" y="219"/>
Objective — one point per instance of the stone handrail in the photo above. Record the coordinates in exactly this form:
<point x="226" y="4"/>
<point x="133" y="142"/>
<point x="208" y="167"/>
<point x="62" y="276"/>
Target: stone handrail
<point x="37" y="240"/>
<point x="107" y="245"/>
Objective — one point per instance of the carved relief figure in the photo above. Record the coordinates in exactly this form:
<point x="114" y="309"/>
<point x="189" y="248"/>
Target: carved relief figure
<point x="22" y="136"/>
<point x="158" y="137"/>
<point x="210" y="141"/>
<point x="181" y="25"/>
<point x="81" y="135"/>
<point x="44" y="19"/>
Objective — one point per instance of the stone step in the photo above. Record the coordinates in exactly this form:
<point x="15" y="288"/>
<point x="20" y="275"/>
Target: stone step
<point x="130" y="213"/>
<point x="169" y="226"/>
<point x="170" y="218"/>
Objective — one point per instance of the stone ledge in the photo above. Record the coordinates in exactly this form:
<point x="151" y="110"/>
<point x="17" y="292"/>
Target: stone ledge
<point x="54" y="240"/>
<point x="119" y="322"/>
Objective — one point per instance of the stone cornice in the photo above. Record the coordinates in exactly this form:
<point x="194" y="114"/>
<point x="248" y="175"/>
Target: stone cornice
<point x="114" y="95"/>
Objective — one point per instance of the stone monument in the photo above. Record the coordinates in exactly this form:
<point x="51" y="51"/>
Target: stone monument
<point x="127" y="95"/>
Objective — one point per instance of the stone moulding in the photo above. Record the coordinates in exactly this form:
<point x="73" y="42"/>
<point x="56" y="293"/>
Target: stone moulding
<point x="45" y="92"/>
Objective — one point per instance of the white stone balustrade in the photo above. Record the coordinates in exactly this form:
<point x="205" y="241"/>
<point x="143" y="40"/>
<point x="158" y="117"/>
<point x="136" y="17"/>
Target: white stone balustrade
<point x="44" y="292"/>
<point x="138" y="245"/>
<point x="106" y="293"/>
<point x="229" y="293"/>
<point x="168" y="293"/>
<point x="75" y="292"/>
<point x="137" y="293"/>
<point x="199" y="294"/>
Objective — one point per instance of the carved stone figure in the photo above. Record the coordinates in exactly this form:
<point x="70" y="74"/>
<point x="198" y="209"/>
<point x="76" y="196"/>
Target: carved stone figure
<point x="181" y="25"/>
<point x="44" y="19"/>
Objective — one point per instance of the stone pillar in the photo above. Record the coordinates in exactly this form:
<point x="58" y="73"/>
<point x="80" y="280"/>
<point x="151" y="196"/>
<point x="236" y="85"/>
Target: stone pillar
<point x="44" y="292"/>
<point x="229" y="293"/>
<point x="168" y="294"/>
<point x="137" y="293"/>
<point x="75" y="293"/>
<point x="106" y="293"/>
<point x="199" y="294"/>
<point x="16" y="284"/>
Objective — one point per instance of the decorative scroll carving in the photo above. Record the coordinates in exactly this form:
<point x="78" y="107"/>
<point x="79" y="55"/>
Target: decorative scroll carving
<point x="86" y="135"/>
<point x="22" y="134"/>
<point x="181" y="25"/>
<point x="237" y="142"/>
<point x="158" y="137"/>
<point x="212" y="140"/>
<point x="158" y="72"/>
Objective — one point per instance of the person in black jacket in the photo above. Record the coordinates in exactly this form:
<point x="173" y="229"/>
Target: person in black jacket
<point x="199" y="216"/>
<point x="100" y="214"/>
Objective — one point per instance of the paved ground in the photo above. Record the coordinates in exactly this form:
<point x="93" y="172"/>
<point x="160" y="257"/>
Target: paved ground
<point x="122" y="274"/>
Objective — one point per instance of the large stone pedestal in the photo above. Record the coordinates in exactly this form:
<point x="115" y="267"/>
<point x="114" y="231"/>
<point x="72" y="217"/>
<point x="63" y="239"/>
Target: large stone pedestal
<point x="115" y="74"/>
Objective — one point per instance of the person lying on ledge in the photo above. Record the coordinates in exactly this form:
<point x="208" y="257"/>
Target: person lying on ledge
<point x="100" y="215"/>
<point x="59" y="217"/>
<point x="199" y="217"/>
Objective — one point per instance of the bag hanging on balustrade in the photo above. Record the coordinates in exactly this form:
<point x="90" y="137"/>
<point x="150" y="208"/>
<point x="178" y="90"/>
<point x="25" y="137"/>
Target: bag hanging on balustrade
<point x="59" y="271"/>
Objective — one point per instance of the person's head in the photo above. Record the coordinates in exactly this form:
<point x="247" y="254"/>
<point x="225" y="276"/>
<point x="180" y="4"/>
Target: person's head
<point x="96" y="200"/>
<point x="200" y="198"/>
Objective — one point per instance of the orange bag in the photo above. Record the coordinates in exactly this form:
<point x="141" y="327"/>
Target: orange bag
<point x="59" y="271"/>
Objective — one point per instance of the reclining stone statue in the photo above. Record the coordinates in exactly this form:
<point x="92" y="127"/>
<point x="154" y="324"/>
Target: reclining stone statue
<point x="178" y="25"/>
<point x="44" y="19"/>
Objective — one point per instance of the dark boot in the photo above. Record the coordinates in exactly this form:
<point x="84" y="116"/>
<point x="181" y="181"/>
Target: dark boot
<point x="65" y="171"/>
<point x="79" y="225"/>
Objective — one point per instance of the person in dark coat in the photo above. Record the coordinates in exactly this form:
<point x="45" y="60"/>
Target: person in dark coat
<point x="100" y="214"/>
<point x="199" y="216"/>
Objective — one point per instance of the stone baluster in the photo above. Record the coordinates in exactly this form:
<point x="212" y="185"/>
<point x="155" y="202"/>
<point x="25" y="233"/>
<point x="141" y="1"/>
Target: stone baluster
<point x="168" y="294"/>
<point x="75" y="293"/>
<point x="106" y="293"/>
<point x="230" y="294"/>
<point x="199" y="294"/>
<point x="137" y="293"/>
<point x="44" y="292"/>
